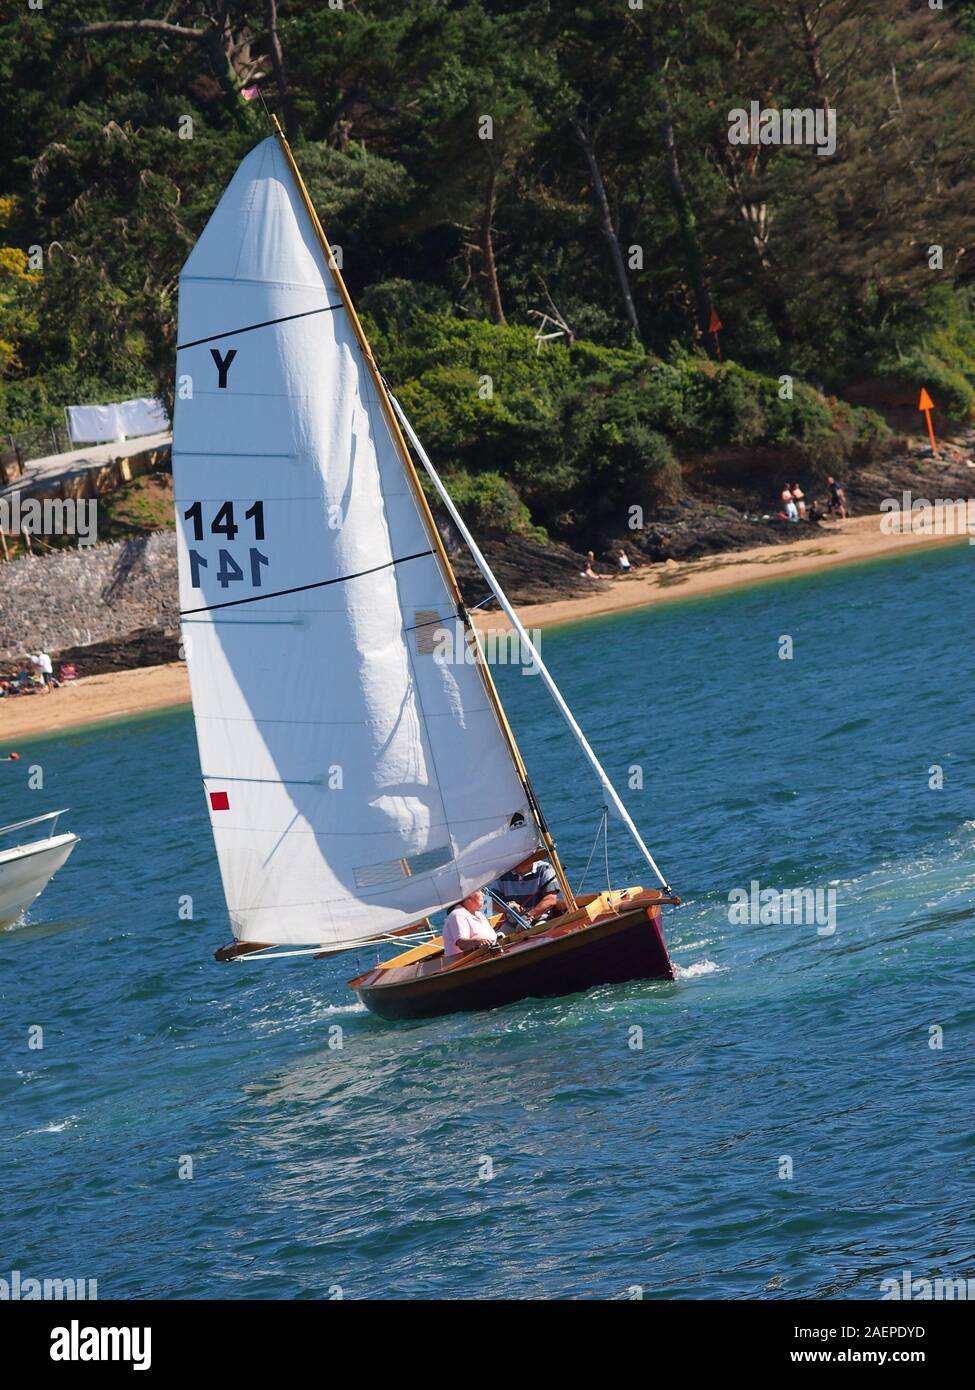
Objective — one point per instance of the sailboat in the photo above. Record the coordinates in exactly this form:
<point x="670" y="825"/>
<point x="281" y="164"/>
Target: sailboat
<point x="26" y="870"/>
<point x="358" y="780"/>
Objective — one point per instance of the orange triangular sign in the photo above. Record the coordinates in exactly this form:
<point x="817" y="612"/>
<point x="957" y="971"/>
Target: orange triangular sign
<point x="715" y="326"/>
<point x="925" y="403"/>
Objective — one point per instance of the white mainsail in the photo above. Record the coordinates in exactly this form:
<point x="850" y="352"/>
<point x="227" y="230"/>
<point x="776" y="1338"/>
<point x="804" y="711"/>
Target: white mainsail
<point x="355" y="781"/>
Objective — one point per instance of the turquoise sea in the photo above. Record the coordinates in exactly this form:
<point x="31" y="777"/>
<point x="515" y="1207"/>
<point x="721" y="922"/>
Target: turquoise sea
<point x="359" y="1169"/>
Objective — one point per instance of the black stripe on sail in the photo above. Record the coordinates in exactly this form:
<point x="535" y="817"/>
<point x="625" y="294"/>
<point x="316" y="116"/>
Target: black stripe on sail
<point x="268" y="323"/>
<point x="302" y="588"/>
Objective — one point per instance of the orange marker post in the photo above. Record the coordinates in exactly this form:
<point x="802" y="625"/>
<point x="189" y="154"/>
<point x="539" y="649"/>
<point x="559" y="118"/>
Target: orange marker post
<point x="715" y="327"/>
<point x="927" y="405"/>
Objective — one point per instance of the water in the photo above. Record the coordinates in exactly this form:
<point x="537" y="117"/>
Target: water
<point x="318" y="1169"/>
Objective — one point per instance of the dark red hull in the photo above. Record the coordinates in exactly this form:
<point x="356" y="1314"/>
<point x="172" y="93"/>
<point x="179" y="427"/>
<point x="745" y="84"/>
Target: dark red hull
<point x="565" y="960"/>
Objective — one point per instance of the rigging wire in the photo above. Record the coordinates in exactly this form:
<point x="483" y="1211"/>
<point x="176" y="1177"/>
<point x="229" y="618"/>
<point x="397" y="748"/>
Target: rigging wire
<point x="609" y="886"/>
<point x="603" y="822"/>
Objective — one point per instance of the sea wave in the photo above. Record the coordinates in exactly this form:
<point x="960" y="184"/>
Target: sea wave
<point x="693" y="972"/>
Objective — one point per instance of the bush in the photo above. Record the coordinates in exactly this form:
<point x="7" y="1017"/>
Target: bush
<point x="940" y="326"/>
<point x="393" y="305"/>
<point x="490" y="505"/>
<point x="870" y="431"/>
<point x="952" y="390"/>
<point x="40" y="400"/>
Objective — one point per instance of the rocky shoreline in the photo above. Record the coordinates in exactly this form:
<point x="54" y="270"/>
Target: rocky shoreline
<point x="717" y="517"/>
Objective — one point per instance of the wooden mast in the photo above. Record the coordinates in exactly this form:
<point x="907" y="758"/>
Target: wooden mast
<point x="427" y="515"/>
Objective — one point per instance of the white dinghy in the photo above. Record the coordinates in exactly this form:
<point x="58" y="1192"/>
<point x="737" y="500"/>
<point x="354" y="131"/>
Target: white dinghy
<point x="26" y="870"/>
<point x="358" y="776"/>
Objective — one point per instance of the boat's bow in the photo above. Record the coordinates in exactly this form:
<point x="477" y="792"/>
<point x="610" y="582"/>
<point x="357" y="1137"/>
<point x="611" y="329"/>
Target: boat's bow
<point x="26" y="870"/>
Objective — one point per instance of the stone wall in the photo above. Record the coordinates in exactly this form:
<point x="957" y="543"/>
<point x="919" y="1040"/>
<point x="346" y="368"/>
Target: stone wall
<point x="71" y="598"/>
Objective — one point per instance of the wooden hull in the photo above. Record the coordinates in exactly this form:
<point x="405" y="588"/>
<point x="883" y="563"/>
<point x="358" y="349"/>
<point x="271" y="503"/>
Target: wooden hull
<point x="563" y="958"/>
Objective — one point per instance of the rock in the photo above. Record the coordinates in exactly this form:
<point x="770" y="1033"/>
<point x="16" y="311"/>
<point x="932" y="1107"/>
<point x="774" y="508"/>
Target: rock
<point x="102" y="593"/>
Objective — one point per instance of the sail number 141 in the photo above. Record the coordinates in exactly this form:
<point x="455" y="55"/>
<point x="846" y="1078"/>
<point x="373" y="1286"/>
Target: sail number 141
<point x="223" y="524"/>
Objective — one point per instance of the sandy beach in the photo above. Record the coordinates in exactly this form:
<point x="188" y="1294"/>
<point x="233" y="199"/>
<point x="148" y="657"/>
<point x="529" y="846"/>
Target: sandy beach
<point x="115" y="695"/>
<point x="835" y="543"/>
<point x="93" y="700"/>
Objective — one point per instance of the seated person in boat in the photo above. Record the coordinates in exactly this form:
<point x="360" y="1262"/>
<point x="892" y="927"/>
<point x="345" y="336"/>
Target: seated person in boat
<point x="531" y="887"/>
<point x="466" y="928"/>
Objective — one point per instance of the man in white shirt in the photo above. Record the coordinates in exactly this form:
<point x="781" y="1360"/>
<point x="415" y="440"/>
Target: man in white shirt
<point x="466" y="928"/>
<point x="44" y="669"/>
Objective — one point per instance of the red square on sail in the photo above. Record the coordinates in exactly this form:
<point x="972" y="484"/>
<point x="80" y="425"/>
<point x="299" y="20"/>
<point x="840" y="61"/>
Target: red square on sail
<point x="219" y="801"/>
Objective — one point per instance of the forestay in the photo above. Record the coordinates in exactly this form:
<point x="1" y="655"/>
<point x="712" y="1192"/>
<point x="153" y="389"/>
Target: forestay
<point x="355" y="781"/>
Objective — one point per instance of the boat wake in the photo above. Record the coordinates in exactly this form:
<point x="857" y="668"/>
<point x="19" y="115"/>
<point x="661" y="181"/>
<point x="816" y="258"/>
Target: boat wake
<point x="26" y="928"/>
<point x="58" y="1127"/>
<point x="939" y="876"/>
<point x="693" y="972"/>
<point x="301" y="1012"/>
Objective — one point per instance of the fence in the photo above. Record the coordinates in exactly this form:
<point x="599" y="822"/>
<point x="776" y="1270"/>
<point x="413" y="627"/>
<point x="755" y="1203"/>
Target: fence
<point x="38" y="442"/>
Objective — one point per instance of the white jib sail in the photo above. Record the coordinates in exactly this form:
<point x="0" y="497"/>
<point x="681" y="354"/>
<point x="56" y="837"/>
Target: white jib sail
<point x="355" y="780"/>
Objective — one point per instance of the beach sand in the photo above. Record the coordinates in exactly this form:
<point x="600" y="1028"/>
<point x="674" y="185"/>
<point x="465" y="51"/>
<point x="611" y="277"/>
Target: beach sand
<point x="115" y="695"/>
<point x="835" y="543"/>
<point x="93" y="700"/>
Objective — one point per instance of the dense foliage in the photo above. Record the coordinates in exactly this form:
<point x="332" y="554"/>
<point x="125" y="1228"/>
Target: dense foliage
<point x="608" y="197"/>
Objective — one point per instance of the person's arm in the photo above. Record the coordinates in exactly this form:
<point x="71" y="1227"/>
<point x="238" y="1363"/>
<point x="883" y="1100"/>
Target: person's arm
<point x="549" y="890"/>
<point x="540" y="908"/>
<point x="466" y="944"/>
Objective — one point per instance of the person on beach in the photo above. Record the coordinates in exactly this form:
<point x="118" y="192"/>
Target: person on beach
<point x="799" y="497"/>
<point x="531" y="888"/>
<point x="45" y="670"/>
<point x="466" y="928"/>
<point x="836" y="504"/>
<point x="789" y="510"/>
<point x="590" y="571"/>
<point x="623" y="560"/>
